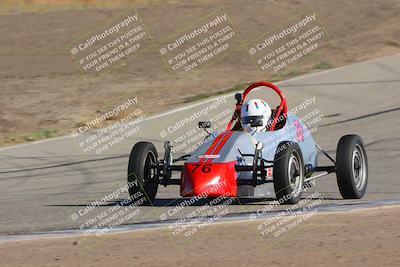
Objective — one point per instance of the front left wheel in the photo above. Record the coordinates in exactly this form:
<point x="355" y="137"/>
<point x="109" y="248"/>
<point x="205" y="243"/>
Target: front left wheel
<point x="288" y="173"/>
<point x="142" y="172"/>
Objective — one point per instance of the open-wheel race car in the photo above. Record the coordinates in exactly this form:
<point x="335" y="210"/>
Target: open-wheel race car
<point x="238" y="163"/>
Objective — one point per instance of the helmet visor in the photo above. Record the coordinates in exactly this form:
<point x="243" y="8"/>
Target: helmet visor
<point x="254" y="121"/>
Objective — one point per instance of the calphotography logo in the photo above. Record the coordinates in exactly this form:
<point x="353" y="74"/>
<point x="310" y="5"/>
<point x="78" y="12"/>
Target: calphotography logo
<point x="204" y="43"/>
<point x="110" y="44"/>
<point x="95" y="136"/>
<point x="185" y="135"/>
<point x="92" y="220"/>
<point x="280" y="49"/>
<point x="287" y="220"/>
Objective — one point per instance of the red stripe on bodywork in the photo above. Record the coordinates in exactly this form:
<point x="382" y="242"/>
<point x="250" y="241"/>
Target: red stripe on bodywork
<point x="221" y="144"/>
<point x="213" y="145"/>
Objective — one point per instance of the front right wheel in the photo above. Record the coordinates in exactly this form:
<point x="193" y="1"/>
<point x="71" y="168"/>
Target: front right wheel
<point x="351" y="167"/>
<point x="142" y="172"/>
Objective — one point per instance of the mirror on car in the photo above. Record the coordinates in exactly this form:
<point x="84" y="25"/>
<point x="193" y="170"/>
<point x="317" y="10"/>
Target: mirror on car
<point x="238" y="97"/>
<point x="204" y="124"/>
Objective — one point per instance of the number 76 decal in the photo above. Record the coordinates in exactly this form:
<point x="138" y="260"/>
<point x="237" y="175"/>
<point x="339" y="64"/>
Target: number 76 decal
<point x="206" y="168"/>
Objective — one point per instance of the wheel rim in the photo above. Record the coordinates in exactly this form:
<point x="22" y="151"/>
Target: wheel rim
<point x="295" y="173"/>
<point x="149" y="167"/>
<point x="359" y="167"/>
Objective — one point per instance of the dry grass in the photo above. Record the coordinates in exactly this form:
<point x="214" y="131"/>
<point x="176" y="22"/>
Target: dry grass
<point x="43" y="90"/>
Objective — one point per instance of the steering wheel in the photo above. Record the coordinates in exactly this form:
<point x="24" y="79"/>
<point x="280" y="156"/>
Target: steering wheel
<point x="281" y="110"/>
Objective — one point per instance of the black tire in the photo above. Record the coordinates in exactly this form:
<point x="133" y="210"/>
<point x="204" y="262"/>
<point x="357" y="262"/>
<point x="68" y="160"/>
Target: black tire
<point x="351" y="167"/>
<point x="141" y="176"/>
<point x="288" y="173"/>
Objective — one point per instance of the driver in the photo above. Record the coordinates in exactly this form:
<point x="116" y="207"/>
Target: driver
<point x="255" y="114"/>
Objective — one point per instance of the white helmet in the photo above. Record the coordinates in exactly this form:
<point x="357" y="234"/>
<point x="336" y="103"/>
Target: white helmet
<point x="255" y="115"/>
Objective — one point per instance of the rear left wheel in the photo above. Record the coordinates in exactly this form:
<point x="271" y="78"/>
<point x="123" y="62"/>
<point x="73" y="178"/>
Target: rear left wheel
<point x="351" y="167"/>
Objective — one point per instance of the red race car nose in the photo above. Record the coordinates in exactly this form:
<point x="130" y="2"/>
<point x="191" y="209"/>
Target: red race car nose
<point x="209" y="179"/>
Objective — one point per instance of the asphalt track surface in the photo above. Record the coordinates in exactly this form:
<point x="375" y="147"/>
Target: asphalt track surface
<point x="42" y="184"/>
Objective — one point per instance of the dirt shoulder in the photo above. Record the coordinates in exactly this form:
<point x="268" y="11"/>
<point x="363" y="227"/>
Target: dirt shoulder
<point x="44" y="94"/>
<point x="361" y="238"/>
